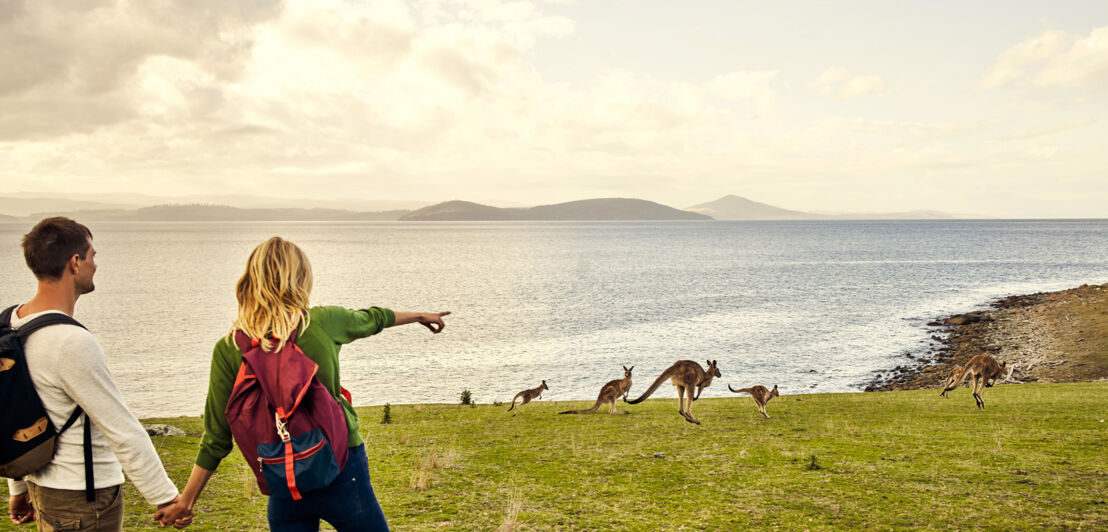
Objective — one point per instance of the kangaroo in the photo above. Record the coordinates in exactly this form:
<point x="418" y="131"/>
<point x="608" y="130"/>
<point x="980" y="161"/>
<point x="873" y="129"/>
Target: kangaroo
<point x="684" y="375"/>
<point x="760" y="395"/>
<point x="609" y="393"/>
<point x="528" y="395"/>
<point x="985" y="370"/>
<point x="952" y="380"/>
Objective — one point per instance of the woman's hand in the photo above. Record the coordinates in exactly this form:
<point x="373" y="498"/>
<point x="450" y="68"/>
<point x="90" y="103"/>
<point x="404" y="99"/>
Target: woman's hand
<point x="433" y="321"/>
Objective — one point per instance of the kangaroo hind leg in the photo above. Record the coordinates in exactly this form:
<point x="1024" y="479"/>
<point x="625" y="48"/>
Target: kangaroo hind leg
<point x="688" y="408"/>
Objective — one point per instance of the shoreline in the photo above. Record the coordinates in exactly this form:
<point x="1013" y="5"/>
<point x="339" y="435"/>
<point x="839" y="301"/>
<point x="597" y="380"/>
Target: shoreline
<point x="1043" y="337"/>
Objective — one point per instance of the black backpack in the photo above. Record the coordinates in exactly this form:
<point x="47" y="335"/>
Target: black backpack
<point x="27" y="437"/>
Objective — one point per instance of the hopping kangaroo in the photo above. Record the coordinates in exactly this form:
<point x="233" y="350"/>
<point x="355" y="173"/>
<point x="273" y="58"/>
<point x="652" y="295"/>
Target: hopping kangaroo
<point x="685" y="375"/>
<point x="984" y="369"/>
<point x="528" y="395"/>
<point x="609" y="393"/>
<point x="760" y="395"/>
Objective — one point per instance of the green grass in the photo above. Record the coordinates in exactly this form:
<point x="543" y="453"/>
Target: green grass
<point x="1034" y="459"/>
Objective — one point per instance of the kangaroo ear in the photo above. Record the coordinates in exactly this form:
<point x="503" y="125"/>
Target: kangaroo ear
<point x="715" y="362"/>
<point x="708" y="362"/>
<point x="632" y="367"/>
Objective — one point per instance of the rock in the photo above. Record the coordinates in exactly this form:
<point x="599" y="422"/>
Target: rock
<point x="164" y="430"/>
<point x="659" y="455"/>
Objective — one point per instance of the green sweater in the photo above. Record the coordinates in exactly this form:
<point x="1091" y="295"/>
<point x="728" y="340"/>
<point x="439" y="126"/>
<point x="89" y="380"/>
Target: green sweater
<point x="328" y="329"/>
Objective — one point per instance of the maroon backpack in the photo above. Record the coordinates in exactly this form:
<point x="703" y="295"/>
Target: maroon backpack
<point x="289" y="428"/>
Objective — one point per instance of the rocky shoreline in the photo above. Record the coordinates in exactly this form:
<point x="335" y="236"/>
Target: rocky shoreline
<point x="1044" y="337"/>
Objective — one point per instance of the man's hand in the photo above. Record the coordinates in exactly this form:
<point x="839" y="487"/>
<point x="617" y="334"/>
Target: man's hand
<point x="20" y="509"/>
<point x="433" y="321"/>
<point x="173" y="513"/>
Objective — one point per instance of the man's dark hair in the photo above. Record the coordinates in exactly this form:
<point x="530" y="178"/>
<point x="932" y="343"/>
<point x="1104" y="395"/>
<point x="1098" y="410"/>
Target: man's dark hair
<point x="51" y="243"/>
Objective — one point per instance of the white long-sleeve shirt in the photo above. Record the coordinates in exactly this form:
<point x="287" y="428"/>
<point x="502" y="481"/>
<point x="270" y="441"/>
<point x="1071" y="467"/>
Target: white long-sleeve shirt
<point x="68" y="368"/>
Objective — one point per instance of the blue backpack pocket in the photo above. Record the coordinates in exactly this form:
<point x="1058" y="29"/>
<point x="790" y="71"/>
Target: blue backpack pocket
<point x="312" y="462"/>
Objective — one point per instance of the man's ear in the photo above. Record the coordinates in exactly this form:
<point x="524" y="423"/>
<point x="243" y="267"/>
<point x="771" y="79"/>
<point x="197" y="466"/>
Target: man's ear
<point x="72" y="264"/>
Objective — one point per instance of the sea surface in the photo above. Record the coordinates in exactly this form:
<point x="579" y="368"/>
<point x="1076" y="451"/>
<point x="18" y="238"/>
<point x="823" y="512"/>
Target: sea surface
<point x="810" y="306"/>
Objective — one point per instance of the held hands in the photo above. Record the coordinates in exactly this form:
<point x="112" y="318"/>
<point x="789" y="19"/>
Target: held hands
<point x="20" y="509"/>
<point x="174" y="513"/>
<point x="433" y="321"/>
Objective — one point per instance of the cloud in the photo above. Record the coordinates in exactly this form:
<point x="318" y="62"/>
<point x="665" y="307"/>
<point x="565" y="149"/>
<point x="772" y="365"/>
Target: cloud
<point x="74" y="67"/>
<point x="839" y="82"/>
<point x="1054" y="59"/>
<point x="1048" y="130"/>
<point x="756" y="86"/>
<point x="825" y="83"/>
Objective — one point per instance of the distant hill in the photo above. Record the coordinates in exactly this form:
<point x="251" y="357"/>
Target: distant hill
<point x="736" y="208"/>
<point x="220" y="213"/>
<point x="733" y="207"/>
<point x="26" y="204"/>
<point x="461" y="211"/>
<point x="604" y="209"/>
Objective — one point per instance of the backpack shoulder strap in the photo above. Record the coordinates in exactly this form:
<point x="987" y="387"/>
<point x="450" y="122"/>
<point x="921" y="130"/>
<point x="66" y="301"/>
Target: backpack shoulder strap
<point x="6" y="317"/>
<point x="46" y="320"/>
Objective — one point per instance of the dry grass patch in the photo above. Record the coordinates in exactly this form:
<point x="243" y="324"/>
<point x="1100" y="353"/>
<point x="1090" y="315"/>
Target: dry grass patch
<point x="511" y="521"/>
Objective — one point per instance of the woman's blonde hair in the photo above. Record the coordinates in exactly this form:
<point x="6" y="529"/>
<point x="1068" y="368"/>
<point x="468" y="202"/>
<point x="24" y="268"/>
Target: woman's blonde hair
<point x="273" y="293"/>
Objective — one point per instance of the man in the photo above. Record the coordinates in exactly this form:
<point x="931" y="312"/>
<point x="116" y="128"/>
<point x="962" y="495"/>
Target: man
<point x="69" y="369"/>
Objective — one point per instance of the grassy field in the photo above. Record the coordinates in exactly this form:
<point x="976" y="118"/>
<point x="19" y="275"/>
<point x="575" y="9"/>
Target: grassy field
<point x="1034" y="459"/>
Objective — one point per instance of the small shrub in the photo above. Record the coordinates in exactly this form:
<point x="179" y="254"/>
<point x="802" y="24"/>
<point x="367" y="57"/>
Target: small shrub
<point x="467" y="398"/>
<point x="812" y="465"/>
<point x="387" y="418"/>
<point x="497" y="403"/>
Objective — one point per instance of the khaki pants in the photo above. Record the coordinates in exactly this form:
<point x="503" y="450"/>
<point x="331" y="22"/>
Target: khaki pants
<point x="68" y="509"/>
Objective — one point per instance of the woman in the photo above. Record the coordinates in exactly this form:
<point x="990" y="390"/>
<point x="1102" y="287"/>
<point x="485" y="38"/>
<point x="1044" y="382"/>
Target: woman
<point x="273" y="303"/>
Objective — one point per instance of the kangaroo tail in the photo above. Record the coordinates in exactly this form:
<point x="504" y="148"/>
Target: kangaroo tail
<point x="657" y="382"/>
<point x="514" y="401"/>
<point x="594" y="408"/>
<point x="954" y="380"/>
<point x="965" y="375"/>
<point x="740" y="390"/>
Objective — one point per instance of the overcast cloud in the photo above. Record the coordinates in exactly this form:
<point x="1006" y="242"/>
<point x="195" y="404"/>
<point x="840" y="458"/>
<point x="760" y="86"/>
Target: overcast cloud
<point x="529" y="102"/>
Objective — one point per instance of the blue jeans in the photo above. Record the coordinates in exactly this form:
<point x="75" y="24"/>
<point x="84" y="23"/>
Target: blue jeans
<point x="348" y="504"/>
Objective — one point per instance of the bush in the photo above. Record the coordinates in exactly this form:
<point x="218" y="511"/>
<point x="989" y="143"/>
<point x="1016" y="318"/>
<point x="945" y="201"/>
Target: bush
<point x="467" y="398"/>
<point x="812" y="465"/>
<point x="388" y="415"/>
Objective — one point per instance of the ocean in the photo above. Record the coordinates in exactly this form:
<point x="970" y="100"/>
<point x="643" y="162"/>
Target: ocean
<point x="809" y="306"/>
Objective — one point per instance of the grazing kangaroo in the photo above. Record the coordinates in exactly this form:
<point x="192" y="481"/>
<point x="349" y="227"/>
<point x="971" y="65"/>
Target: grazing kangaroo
<point x="685" y="375"/>
<point x="985" y="370"/>
<point x="528" y="395"/>
<point x="952" y="380"/>
<point x="760" y="395"/>
<point x="609" y="393"/>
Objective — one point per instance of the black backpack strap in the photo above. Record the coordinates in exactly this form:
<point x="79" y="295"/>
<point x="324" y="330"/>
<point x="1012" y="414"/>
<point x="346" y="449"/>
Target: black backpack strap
<point x="90" y="484"/>
<point x="46" y="320"/>
<point x="6" y="317"/>
<point x="72" y="419"/>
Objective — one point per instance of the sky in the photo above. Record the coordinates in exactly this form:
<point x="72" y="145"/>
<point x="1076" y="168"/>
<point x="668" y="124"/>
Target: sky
<point x="992" y="108"/>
